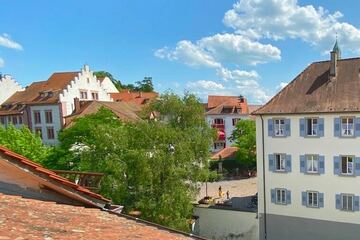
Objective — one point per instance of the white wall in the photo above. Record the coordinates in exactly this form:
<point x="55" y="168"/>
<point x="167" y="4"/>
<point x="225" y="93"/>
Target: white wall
<point x="8" y="87"/>
<point x="57" y="124"/>
<point x="328" y="183"/>
<point x="222" y="224"/>
<point x="108" y="85"/>
<point x="86" y="80"/>
<point x="229" y="128"/>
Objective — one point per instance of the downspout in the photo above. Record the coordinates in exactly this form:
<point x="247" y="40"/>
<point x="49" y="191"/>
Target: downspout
<point x="263" y="172"/>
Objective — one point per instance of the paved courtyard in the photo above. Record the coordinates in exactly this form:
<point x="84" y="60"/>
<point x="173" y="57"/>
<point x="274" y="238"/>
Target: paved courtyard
<point x="237" y="188"/>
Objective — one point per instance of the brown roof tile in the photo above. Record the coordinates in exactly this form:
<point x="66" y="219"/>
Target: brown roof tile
<point x="216" y="104"/>
<point x="228" y="152"/>
<point x="139" y="98"/>
<point x="34" y="219"/>
<point x="314" y="91"/>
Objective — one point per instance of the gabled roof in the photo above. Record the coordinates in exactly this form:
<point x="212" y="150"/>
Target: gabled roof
<point x="314" y="91"/>
<point x="226" y="153"/>
<point x="126" y="111"/>
<point x="216" y="104"/>
<point x="139" y="98"/>
<point x="67" y="187"/>
<point x="33" y="219"/>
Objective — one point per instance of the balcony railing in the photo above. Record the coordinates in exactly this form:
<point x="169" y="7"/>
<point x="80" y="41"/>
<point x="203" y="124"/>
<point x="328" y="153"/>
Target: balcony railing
<point x="88" y="180"/>
<point x="218" y="125"/>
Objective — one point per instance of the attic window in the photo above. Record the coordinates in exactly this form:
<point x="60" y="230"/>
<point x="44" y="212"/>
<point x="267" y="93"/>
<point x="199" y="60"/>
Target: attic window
<point x="227" y="110"/>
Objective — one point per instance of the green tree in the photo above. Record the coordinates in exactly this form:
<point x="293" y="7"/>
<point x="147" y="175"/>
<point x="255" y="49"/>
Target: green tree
<point x="146" y="85"/>
<point x="244" y="137"/>
<point x="24" y="142"/>
<point x="103" y="74"/>
<point x="151" y="166"/>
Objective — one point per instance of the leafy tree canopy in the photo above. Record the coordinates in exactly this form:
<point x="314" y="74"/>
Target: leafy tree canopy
<point x="244" y="137"/>
<point x="150" y="166"/>
<point x="24" y="142"/>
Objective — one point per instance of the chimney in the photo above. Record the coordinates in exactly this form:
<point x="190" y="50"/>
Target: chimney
<point x="77" y="104"/>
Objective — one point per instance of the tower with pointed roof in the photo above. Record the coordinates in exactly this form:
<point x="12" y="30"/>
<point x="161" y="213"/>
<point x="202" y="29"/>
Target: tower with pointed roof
<point x="337" y="50"/>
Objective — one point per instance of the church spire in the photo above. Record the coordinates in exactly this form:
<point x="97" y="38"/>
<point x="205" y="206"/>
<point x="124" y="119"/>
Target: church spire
<point x="336" y="49"/>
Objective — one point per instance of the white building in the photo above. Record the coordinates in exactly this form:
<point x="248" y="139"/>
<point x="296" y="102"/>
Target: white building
<point x="8" y="86"/>
<point x="42" y="106"/>
<point x="308" y="154"/>
<point x="222" y="113"/>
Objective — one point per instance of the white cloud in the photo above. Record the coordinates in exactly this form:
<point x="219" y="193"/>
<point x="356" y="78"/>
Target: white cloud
<point x="2" y="62"/>
<point x="281" y="85"/>
<point x="282" y="19"/>
<point x="253" y="90"/>
<point x="6" y="41"/>
<point x="227" y="74"/>
<point x="237" y="49"/>
<point x="188" y="53"/>
<point x="205" y="85"/>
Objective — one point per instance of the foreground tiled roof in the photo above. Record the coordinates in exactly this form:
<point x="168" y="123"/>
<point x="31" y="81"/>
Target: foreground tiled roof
<point x="22" y="218"/>
<point x="314" y="91"/>
<point x="228" y="152"/>
<point x="139" y="98"/>
<point x="48" y="174"/>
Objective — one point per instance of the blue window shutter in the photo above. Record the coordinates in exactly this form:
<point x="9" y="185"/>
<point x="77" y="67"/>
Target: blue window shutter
<point x="321" y="200"/>
<point x="321" y="127"/>
<point x="270" y="127"/>
<point x="357" y="166"/>
<point x="338" y="201"/>
<point x="321" y="164"/>
<point x="288" y="163"/>
<point x="304" y="198"/>
<point x="302" y="163"/>
<point x="288" y="197"/>
<point x="273" y="195"/>
<point x="287" y="128"/>
<point x="337" y="127"/>
<point x="302" y="127"/>
<point x="357" y="127"/>
<point x="337" y="165"/>
<point x="271" y="162"/>
<point x="356" y="203"/>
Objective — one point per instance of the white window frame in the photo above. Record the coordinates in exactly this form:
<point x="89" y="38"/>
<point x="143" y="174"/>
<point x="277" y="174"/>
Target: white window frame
<point x="345" y="204"/>
<point x="314" y="163"/>
<point x="219" y="120"/>
<point x="280" y="196"/>
<point x="280" y="163"/>
<point x="314" y="127"/>
<point x="347" y="129"/>
<point x="312" y="199"/>
<point x="348" y="164"/>
<point x="279" y="127"/>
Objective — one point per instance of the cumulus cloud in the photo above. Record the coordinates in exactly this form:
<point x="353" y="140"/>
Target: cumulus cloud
<point x="282" y="19"/>
<point x="253" y="90"/>
<point x="188" y="53"/>
<point x="2" y="62"/>
<point x="6" y="41"/>
<point x="205" y="85"/>
<point x="227" y="74"/>
<point x="281" y="85"/>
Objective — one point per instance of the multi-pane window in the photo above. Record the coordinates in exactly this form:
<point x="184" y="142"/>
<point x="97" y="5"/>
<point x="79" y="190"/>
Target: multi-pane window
<point x="279" y="125"/>
<point x="312" y="163"/>
<point x="347" y="202"/>
<point x="280" y="196"/>
<point x="37" y="117"/>
<point x="14" y="120"/>
<point x="50" y="133"/>
<point x="39" y="131"/>
<point x="280" y="161"/>
<point x="218" y="121"/>
<point x="219" y="145"/>
<point x="347" y="165"/>
<point x="2" y="120"/>
<point x="95" y="95"/>
<point x="347" y="126"/>
<point x="235" y="120"/>
<point x="48" y="116"/>
<point x="311" y="126"/>
<point x="312" y="199"/>
<point x="83" y="95"/>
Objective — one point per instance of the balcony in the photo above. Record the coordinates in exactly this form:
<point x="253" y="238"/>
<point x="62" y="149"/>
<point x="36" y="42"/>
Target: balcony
<point x="220" y="126"/>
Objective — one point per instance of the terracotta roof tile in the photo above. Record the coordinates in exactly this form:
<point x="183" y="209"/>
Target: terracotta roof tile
<point x="314" y="91"/>
<point x="22" y="218"/>
<point x="218" y="102"/>
<point x="228" y="152"/>
<point x="139" y="98"/>
<point x="50" y="174"/>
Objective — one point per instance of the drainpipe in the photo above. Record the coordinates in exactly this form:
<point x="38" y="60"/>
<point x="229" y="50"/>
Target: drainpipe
<point x="263" y="172"/>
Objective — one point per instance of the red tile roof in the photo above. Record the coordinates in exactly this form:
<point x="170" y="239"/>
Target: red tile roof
<point x="217" y="103"/>
<point x="139" y="98"/>
<point x="22" y="218"/>
<point x="228" y="152"/>
<point x="37" y="168"/>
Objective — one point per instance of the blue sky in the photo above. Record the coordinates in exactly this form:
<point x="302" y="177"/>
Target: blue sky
<point x="222" y="47"/>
